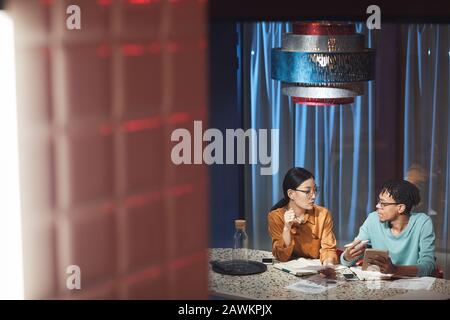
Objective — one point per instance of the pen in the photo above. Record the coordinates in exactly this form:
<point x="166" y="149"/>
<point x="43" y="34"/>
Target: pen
<point x="350" y="244"/>
<point x="286" y="270"/>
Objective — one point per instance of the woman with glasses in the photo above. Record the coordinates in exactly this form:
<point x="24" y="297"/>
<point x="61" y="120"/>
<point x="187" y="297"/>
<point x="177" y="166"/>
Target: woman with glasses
<point x="407" y="236"/>
<point x="298" y="227"/>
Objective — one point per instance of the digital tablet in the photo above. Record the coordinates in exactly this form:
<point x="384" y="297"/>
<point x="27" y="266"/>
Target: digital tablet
<point x="371" y="253"/>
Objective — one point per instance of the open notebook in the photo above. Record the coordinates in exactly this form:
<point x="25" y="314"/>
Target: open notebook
<point x="301" y="266"/>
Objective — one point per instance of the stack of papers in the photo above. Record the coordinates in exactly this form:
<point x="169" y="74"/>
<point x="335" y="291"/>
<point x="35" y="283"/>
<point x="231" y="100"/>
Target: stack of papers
<point x="370" y="275"/>
<point x="314" y="285"/>
<point x="301" y="266"/>
<point x="423" y="283"/>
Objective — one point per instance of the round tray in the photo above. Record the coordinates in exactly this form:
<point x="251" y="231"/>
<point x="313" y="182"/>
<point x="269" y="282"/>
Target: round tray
<point x="238" y="267"/>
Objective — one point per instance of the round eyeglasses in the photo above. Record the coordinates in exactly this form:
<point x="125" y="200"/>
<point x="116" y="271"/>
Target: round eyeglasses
<point x="385" y="204"/>
<point x="310" y="192"/>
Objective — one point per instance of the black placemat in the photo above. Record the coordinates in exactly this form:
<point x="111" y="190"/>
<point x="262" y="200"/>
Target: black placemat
<point x="238" y="267"/>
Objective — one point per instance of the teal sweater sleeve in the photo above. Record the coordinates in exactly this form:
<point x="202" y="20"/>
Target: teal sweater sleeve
<point x="426" y="263"/>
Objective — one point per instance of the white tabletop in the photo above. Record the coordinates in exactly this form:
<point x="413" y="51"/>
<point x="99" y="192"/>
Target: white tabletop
<point x="271" y="284"/>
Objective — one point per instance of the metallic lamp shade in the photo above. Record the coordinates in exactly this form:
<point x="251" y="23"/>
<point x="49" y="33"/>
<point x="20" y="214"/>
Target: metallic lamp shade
<point x="323" y="63"/>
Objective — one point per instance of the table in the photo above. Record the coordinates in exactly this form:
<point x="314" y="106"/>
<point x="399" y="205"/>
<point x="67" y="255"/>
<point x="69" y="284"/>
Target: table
<point x="271" y="284"/>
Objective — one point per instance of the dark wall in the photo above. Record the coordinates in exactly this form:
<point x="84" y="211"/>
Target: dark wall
<point x="344" y="10"/>
<point x="388" y="106"/>
<point x="224" y="113"/>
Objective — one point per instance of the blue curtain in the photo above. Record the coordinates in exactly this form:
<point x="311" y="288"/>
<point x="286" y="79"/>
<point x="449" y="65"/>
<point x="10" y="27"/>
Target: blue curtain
<point x="427" y="119"/>
<point x="335" y="143"/>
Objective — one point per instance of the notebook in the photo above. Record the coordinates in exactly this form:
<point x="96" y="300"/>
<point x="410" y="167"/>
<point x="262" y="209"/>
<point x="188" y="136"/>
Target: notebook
<point x="301" y="266"/>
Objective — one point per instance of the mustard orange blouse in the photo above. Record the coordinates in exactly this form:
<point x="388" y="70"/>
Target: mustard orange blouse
<point x="313" y="239"/>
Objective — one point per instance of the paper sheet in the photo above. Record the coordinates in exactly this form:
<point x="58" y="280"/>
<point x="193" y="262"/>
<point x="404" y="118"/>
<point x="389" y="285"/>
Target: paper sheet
<point x="305" y="265"/>
<point x="423" y="283"/>
<point x="339" y="267"/>
<point x="370" y="275"/>
<point x="313" y="285"/>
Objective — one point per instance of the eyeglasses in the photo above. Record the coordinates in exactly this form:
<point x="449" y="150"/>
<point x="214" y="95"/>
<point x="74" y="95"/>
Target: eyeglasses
<point x="309" y="193"/>
<point x="385" y="204"/>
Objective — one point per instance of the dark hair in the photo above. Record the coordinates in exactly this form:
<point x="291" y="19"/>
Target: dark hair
<point x="403" y="192"/>
<point x="293" y="178"/>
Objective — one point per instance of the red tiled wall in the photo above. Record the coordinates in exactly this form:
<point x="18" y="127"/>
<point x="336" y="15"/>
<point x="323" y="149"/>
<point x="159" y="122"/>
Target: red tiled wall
<point x="96" y="110"/>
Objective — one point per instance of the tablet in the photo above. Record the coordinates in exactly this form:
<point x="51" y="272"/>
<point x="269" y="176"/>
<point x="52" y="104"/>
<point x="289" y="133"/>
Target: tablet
<point x="371" y="253"/>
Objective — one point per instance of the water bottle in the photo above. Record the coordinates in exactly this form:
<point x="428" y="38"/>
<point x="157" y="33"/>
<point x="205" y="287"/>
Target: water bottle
<point x="240" y="250"/>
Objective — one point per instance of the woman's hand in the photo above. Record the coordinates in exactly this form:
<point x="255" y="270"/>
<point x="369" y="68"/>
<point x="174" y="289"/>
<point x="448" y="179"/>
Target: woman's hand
<point x="328" y="262"/>
<point x="289" y="218"/>
<point x="329" y="272"/>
